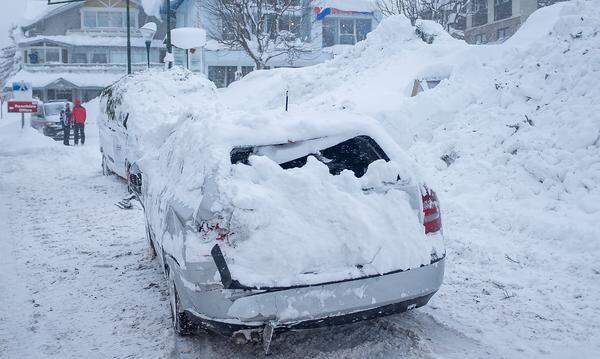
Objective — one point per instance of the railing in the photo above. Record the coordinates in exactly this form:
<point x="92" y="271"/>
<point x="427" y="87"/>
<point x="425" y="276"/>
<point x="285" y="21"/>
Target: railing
<point x="105" y="32"/>
<point x="72" y="67"/>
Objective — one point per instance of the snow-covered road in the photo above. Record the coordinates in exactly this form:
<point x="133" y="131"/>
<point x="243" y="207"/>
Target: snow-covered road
<point x="77" y="280"/>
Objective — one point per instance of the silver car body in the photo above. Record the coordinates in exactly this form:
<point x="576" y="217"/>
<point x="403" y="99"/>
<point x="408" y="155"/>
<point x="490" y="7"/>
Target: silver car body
<point x="216" y="304"/>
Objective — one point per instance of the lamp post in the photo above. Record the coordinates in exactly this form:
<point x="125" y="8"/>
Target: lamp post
<point x="148" y="31"/>
<point x="169" y="45"/>
<point x="128" y="40"/>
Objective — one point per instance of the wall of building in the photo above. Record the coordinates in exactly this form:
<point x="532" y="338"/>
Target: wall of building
<point x="521" y="9"/>
<point x="57" y="24"/>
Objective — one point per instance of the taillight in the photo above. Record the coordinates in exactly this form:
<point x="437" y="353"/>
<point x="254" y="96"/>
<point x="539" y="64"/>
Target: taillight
<point x="432" y="219"/>
<point x="214" y="231"/>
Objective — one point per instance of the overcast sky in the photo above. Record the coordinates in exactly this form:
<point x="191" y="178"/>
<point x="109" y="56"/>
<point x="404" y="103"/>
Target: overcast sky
<point x="11" y="12"/>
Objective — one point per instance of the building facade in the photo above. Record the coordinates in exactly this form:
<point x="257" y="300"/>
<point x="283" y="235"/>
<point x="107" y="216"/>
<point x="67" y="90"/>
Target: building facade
<point x="322" y="28"/>
<point x="74" y="50"/>
<point x="492" y="21"/>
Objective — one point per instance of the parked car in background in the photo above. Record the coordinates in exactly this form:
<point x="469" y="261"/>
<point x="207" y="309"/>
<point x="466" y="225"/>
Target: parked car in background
<point x="48" y="118"/>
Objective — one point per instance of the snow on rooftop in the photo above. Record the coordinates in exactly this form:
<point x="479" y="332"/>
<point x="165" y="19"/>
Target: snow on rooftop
<point x="348" y="5"/>
<point x="38" y="9"/>
<point x="91" y="40"/>
<point x="78" y="78"/>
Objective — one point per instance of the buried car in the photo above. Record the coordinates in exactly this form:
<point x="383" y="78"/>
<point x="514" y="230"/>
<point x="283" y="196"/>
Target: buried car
<point x="270" y="222"/>
<point x="48" y="118"/>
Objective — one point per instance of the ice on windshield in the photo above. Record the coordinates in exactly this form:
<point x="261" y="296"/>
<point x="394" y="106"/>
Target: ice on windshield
<point x="338" y="153"/>
<point x="53" y="108"/>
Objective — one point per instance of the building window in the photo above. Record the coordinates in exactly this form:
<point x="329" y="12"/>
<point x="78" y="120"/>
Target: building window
<point x="53" y="55"/>
<point x="291" y="23"/>
<point x="502" y="9"/>
<point x="480" y="13"/>
<point x="246" y="70"/>
<point x="46" y="55"/>
<point x="79" y="58"/>
<point x="60" y="94"/>
<point x="107" y="18"/>
<point x="222" y="76"/>
<point x="503" y="33"/>
<point x="118" y="56"/>
<point x="345" y="31"/>
<point x="480" y="39"/>
<point x="99" y="57"/>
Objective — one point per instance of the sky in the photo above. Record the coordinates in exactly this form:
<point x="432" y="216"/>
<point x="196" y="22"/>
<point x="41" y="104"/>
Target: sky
<point x="12" y="11"/>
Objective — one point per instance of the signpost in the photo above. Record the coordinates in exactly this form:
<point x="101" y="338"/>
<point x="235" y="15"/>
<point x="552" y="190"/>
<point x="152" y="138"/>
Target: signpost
<point x="22" y="101"/>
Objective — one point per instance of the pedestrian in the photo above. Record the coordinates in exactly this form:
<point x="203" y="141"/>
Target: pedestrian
<point x="66" y="119"/>
<point x="79" y="117"/>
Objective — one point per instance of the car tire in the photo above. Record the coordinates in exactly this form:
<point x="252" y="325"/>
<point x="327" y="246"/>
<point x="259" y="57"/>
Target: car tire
<point x="105" y="170"/>
<point x="179" y="319"/>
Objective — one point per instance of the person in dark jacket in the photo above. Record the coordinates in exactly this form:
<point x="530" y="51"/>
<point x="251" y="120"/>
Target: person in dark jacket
<point x="66" y="117"/>
<point x="79" y="117"/>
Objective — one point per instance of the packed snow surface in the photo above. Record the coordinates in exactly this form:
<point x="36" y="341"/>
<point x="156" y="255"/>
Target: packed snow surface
<point x="510" y="140"/>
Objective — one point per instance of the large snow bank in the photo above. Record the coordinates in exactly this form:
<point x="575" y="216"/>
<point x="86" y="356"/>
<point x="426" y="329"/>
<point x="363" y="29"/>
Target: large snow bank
<point x="511" y="140"/>
<point x="314" y="227"/>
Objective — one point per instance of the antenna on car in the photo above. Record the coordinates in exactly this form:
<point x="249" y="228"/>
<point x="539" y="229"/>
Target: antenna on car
<point x="287" y="99"/>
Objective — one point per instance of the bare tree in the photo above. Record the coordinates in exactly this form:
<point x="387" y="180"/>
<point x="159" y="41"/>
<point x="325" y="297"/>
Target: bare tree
<point x="412" y="9"/>
<point x="542" y="3"/>
<point x="263" y="29"/>
<point x="444" y="12"/>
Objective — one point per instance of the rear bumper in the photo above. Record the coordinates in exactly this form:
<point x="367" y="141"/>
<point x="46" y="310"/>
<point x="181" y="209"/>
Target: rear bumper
<point x="226" y="311"/>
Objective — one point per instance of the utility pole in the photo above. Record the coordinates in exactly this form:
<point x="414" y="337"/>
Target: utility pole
<point x="169" y="45"/>
<point x="128" y="40"/>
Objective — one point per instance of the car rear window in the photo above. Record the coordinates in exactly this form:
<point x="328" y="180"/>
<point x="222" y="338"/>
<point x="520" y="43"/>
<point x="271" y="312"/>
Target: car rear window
<point x="354" y="154"/>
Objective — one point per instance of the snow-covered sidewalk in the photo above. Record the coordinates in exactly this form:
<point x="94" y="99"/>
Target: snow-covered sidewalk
<point x="76" y="277"/>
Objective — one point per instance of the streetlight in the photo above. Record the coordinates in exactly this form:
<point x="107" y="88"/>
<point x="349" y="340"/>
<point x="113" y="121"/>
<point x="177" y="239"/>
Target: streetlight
<point x="148" y="32"/>
<point x="169" y="44"/>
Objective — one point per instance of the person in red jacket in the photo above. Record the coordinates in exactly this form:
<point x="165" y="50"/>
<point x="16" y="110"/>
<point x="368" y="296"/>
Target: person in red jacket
<point x="79" y="117"/>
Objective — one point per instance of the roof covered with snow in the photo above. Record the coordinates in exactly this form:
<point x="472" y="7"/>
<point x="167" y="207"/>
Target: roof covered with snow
<point x="84" y="39"/>
<point x="36" y="10"/>
<point x="348" y="5"/>
<point x="87" y="78"/>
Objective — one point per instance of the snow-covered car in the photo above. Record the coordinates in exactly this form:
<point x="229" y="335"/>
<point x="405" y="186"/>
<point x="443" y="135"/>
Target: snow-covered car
<point x="272" y="222"/>
<point x="48" y="120"/>
<point x="115" y="146"/>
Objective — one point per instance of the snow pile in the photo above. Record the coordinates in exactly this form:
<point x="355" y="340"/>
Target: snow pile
<point x="314" y="227"/>
<point x="17" y="141"/>
<point x="511" y="141"/>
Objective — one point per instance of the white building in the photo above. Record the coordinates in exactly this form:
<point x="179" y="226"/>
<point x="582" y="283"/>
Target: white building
<point x="325" y="25"/>
<point x="496" y="20"/>
<point x="74" y="50"/>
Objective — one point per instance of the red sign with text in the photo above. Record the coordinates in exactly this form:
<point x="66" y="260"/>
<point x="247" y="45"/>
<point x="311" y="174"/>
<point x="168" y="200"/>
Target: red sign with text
<point x="22" y="106"/>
